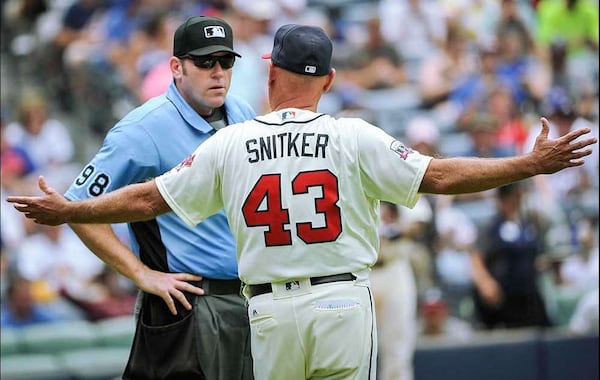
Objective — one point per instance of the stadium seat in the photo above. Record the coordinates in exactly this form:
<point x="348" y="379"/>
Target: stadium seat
<point x="10" y="342"/>
<point x="100" y="363"/>
<point x="116" y="331"/>
<point x="58" y="336"/>
<point x="32" y="367"/>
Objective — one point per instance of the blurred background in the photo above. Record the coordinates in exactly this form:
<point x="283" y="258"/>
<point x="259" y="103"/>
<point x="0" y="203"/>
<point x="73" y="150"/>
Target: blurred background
<point x="505" y="281"/>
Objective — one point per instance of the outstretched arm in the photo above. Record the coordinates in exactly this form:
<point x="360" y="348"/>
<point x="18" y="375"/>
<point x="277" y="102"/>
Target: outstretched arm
<point x="470" y="174"/>
<point x="131" y="203"/>
<point x="135" y="202"/>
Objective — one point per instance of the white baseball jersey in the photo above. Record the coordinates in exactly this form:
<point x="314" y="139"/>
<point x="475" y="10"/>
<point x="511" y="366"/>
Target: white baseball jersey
<point x="301" y="191"/>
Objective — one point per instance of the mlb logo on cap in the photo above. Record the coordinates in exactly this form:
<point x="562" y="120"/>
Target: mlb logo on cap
<point x="214" y="31"/>
<point x="310" y="69"/>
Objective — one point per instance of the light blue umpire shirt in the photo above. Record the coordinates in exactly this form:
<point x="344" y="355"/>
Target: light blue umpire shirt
<point x="148" y="141"/>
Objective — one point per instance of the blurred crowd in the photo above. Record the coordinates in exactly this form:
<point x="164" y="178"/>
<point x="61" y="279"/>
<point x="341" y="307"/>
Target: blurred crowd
<point x="447" y="77"/>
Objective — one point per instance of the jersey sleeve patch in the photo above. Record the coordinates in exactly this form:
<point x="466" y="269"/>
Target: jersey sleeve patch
<point x="400" y="149"/>
<point x="186" y="163"/>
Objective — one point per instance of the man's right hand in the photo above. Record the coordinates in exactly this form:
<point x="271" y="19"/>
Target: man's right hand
<point x="49" y="209"/>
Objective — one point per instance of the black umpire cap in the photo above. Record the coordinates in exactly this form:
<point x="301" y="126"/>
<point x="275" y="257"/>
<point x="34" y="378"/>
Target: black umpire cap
<point x="203" y="35"/>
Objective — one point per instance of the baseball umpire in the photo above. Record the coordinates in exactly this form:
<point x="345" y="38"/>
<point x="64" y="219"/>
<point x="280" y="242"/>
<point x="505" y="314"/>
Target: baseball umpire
<point x="212" y="340"/>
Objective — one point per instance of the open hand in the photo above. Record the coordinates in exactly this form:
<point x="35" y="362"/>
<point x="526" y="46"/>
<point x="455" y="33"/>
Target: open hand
<point x="561" y="153"/>
<point x="50" y="209"/>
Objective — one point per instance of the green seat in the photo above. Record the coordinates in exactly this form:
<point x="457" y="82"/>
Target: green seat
<point x="32" y="367"/>
<point x="98" y="363"/>
<point x="118" y="331"/>
<point x="59" y="336"/>
<point x="10" y="342"/>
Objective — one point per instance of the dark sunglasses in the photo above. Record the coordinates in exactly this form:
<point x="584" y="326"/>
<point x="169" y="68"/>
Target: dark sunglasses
<point x="209" y="61"/>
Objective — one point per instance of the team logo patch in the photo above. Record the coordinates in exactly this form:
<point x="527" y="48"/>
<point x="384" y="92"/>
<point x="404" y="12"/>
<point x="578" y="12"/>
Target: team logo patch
<point x="186" y="163"/>
<point x="400" y="149"/>
<point x="214" y="31"/>
<point x="310" y="69"/>
<point x="288" y="115"/>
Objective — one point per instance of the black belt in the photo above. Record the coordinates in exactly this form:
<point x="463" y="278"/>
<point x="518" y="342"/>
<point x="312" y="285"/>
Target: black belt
<point x="259" y="289"/>
<point x="218" y="287"/>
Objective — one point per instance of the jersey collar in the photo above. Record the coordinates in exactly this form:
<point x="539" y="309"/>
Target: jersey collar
<point x="288" y="115"/>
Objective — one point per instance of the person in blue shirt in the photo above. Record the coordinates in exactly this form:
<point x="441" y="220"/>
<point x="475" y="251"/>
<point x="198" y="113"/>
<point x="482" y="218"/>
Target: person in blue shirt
<point x="20" y="309"/>
<point x="176" y="266"/>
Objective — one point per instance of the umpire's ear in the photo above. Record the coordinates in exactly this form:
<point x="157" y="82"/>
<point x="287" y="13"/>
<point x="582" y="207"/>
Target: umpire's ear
<point x="329" y="82"/>
<point x="176" y="66"/>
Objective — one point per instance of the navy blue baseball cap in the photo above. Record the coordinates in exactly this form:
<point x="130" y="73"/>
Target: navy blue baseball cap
<point x="203" y="35"/>
<point x="302" y="49"/>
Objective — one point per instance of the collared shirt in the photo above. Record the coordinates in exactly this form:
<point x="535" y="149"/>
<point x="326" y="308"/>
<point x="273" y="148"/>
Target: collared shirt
<point x="147" y="142"/>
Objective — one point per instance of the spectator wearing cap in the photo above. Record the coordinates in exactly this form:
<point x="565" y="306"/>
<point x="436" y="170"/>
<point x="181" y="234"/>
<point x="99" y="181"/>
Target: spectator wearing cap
<point x="436" y="322"/>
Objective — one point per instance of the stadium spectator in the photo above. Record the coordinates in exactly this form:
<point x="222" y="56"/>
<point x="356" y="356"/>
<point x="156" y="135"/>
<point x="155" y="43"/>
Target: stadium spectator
<point x="19" y="307"/>
<point x="443" y="70"/>
<point x="106" y="295"/>
<point x="571" y="269"/>
<point x="375" y="64"/>
<point x="436" y="321"/>
<point x="423" y="135"/>
<point x="482" y="129"/>
<point x="46" y="140"/>
<point x="574" y="24"/>
<point x="585" y="319"/>
<point x="15" y="163"/>
<point x="53" y="258"/>
<point x="520" y="69"/>
<point x="251" y="27"/>
<point x="416" y="27"/>
<point x="504" y="266"/>
<point x="572" y="21"/>
<point x="73" y="24"/>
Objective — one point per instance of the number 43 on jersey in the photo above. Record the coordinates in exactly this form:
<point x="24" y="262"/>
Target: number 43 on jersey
<point x="267" y="191"/>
